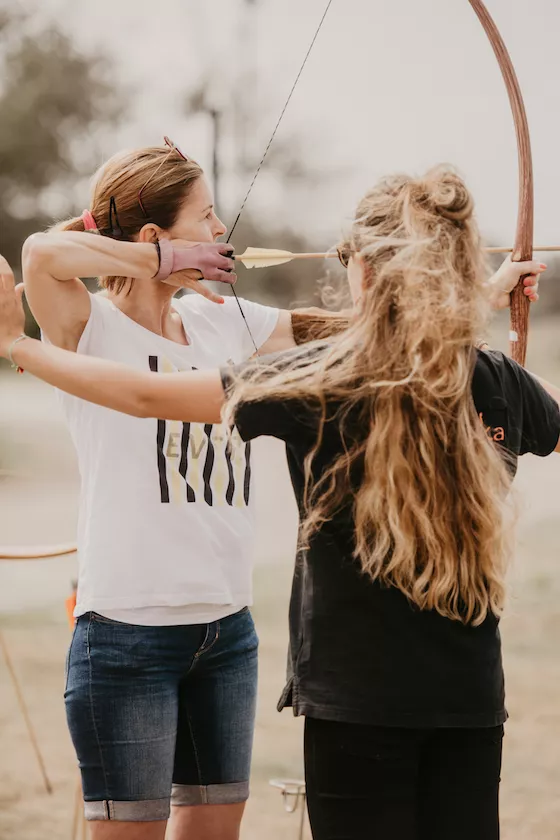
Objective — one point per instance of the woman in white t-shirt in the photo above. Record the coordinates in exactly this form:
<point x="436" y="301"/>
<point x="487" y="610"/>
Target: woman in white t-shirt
<point x="162" y="669"/>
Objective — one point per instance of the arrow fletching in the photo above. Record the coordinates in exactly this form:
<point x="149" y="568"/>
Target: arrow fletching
<point x="263" y="257"/>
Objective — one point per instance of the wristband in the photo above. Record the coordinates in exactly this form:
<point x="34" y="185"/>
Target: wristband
<point x="165" y="254"/>
<point x="158" y="249"/>
<point x="212" y="260"/>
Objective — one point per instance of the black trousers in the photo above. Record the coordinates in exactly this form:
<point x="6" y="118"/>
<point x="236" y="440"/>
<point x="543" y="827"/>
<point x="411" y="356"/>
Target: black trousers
<point x="380" y="783"/>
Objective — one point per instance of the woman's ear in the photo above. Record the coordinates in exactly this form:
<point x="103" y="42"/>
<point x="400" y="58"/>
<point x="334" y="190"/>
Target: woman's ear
<point x="356" y="277"/>
<point x="149" y="233"/>
<point x="361" y="268"/>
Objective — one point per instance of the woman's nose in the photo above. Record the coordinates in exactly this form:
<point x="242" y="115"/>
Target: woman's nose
<point x="219" y="228"/>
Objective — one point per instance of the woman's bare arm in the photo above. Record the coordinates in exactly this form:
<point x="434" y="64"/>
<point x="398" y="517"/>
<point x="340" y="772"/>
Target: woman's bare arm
<point x="299" y="326"/>
<point x="194" y="396"/>
<point x="54" y="262"/>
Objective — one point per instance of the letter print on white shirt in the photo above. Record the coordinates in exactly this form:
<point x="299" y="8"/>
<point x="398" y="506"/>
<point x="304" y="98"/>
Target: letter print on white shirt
<point x="198" y="462"/>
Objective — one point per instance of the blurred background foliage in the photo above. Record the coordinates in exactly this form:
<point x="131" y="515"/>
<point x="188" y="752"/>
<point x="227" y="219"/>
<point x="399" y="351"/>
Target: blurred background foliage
<point x="52" y="101"/>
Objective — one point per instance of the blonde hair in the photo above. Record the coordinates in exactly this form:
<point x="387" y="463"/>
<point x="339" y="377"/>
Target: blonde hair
<point x="430" y="509"/>
<point x="165" y="179"/>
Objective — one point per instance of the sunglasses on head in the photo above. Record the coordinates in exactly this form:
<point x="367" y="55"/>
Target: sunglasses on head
<point x="172" y="148"/>
<point x="344" y="253"/>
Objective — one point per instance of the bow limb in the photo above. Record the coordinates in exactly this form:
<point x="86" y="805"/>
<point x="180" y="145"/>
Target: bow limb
<point x="523" y="247"/>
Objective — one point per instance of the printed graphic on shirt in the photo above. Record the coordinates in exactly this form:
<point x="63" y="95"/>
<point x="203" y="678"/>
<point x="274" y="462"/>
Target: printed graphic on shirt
<point x="495" y="433"/>
<point x="199" y="462"/>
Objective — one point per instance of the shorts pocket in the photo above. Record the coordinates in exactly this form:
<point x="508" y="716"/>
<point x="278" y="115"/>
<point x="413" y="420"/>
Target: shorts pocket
<point x="102" y="619"/>
<point x="68" y="654"/>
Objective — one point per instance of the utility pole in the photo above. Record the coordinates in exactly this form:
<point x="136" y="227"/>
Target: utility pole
<point x="247" y="77"/>
<point x="216" y="116"/>
<point x="204" y="101"/>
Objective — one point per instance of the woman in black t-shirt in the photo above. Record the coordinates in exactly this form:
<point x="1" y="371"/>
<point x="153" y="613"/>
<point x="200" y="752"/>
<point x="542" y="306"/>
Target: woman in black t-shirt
<point x="401" y="441"/>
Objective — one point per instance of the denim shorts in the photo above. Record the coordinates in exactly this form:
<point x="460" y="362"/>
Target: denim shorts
<point x="161" y="714"/>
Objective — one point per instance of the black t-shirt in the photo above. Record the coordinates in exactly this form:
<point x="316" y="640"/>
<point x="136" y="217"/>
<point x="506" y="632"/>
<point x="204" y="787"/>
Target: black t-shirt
<point x="360" y="651"/>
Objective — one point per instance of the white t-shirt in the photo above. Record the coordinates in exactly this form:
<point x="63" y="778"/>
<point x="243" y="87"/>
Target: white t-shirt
<point x="165" y="529"/>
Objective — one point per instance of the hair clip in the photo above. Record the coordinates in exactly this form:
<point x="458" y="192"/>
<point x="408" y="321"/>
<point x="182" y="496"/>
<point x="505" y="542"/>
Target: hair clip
<point x="114" y="225"/>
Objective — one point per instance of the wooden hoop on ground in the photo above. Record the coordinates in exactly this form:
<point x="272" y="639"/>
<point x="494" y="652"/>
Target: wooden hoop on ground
<point x="14" y="552"/>
<point x="38" y="552"/>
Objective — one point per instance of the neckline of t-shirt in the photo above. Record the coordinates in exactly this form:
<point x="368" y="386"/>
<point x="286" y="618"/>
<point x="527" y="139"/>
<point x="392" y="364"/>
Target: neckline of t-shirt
<point x="162" y="338"/>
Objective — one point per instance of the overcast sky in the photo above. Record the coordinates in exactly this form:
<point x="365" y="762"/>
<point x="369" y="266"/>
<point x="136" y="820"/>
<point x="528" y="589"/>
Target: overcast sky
<point x="391" y="85"/>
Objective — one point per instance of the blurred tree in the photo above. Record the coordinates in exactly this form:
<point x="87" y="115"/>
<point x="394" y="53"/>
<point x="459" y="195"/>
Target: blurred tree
<point x="52" y="98"/>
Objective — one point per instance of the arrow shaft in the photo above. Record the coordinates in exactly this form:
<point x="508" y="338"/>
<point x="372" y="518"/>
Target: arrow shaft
<point x="510" y="250"/>
<point x="333" y="255"/>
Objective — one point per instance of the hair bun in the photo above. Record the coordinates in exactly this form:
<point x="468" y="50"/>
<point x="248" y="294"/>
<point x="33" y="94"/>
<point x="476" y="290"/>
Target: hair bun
<point x="449" y="195"/>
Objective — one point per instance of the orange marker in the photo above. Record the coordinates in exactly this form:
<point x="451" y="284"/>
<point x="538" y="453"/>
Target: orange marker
<point x="70" y="606"/>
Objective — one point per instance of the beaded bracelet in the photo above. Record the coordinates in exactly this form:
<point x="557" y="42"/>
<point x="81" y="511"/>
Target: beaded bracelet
<point x="10" y="350"/>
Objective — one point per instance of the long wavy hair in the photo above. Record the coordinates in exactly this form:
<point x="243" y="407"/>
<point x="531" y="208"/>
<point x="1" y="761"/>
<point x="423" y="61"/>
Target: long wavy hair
<point x="430" y="508"/>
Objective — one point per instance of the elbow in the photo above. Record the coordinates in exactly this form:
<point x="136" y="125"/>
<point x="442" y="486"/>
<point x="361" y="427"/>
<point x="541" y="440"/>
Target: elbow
<point x="144" y="404"/>
<point x="34" y="255"/>
<point x="152" y="401"/>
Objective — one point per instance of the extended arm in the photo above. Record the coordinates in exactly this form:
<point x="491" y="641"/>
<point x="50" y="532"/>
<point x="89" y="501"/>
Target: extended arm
<point x="299" y="326"/>
<point x="194" y="396"/>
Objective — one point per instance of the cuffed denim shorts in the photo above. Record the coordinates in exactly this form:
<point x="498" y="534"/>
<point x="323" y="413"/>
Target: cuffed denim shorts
<point x="161" y="714"/>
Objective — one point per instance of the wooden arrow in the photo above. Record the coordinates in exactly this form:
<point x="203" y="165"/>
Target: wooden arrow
<point x="268" y="257"/>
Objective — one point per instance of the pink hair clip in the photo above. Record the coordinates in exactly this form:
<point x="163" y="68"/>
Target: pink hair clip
<point x="88" y="220"/>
